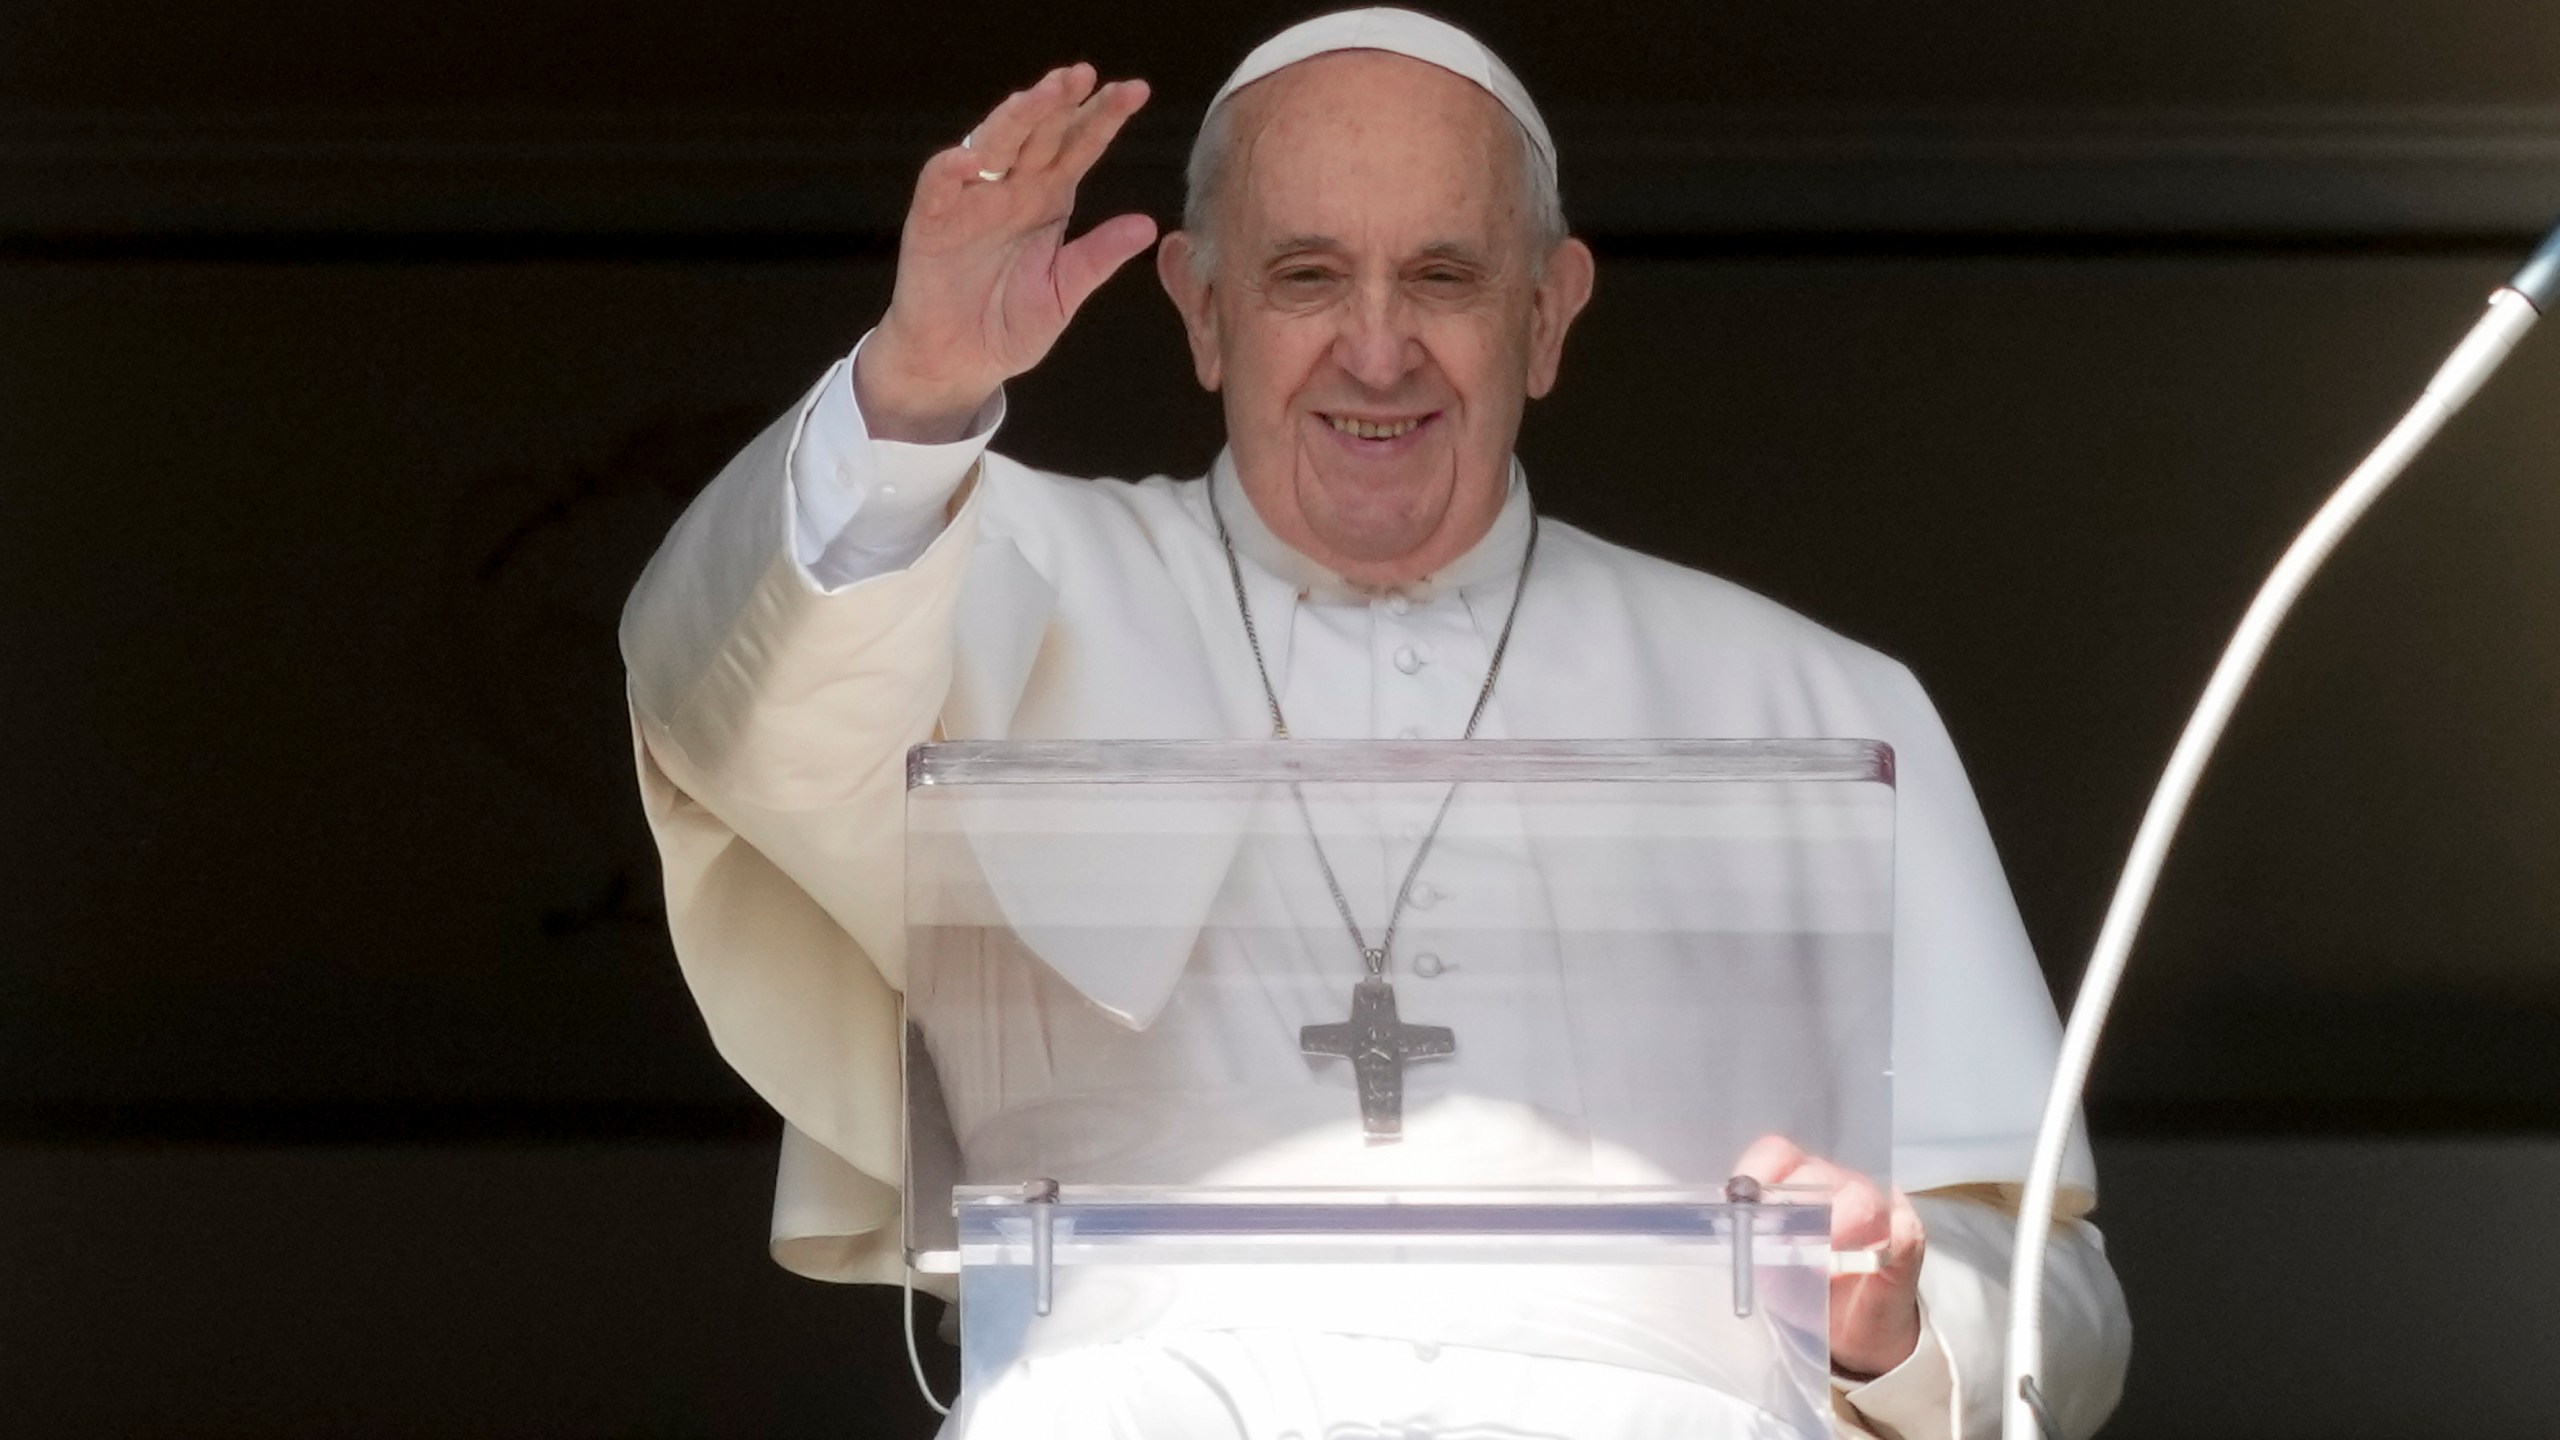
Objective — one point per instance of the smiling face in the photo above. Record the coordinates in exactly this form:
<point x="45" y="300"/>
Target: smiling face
<point x="1378" y="313"/>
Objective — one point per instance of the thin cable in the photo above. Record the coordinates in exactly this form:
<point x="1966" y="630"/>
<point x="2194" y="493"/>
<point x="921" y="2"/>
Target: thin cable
<point x="915" y="1362"/>
<point x="2510" y="314"/>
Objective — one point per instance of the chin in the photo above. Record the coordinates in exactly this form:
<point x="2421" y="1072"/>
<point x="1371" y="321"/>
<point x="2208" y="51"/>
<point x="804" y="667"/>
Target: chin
<point x="1418" y="491"/>
<point x="1375" y="529"/>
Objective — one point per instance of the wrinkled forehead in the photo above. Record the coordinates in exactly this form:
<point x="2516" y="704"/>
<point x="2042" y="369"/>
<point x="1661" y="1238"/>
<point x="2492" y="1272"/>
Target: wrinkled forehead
<point x="1365" y="144"/>
<point x="1365" y="100"/>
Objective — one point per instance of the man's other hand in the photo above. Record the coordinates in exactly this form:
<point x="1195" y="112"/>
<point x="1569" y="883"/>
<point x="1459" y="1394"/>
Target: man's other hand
<point x="987" y="279"/>
<point x="1875" y="1319"/>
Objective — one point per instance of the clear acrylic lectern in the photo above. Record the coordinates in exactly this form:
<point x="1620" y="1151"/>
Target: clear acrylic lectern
<point x="1438" y="1043"/>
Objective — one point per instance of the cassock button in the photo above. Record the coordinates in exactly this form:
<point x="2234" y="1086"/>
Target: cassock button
<point x="889" y="490"/>
<point x="1398" y="604"/>
<point x="1410" y="732"/>
<point x="1428" y="965"/>
<point x="1408" y="659"/>
<point x="1424" y="896"/>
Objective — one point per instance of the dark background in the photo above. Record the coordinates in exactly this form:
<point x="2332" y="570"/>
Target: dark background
<point x="352" y="359"/>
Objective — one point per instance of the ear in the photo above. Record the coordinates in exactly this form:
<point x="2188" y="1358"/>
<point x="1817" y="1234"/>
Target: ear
<point x="1175" y="267"/>
<point x="1562" y="292"/>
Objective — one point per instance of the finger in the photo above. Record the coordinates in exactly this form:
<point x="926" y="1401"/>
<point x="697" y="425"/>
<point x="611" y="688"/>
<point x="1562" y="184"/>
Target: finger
<point x="1907" y="1246"/>
<point x="1875" y="1319"/>
<point x="989" y="150"/>
<point x="1040" y="146"/>
<point x="1812" y="1172"/>
<point x="1771" y="1159"/>
<point x="998" y="138"/>
<point x="1084" y="264"/>
<point x="1098" y="125"/>
<point x="1861" y="1216"/>
<point x="944" y="177"/>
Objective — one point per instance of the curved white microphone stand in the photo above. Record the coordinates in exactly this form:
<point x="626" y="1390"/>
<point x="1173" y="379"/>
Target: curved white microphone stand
<point x="2512" y="311"/>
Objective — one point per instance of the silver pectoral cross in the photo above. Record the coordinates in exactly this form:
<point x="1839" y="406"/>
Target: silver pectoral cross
<point x="1379" y="1046"/>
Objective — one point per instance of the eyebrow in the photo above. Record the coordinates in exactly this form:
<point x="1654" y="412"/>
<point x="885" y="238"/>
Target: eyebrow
<point x="1453" y="250"/>
<point x="1437" y="250"/>
<point x="1293" y="244"/>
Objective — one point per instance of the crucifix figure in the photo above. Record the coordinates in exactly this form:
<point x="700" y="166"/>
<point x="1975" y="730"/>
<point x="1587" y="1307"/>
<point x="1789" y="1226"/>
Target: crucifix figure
<point x="1379" y="1046"/>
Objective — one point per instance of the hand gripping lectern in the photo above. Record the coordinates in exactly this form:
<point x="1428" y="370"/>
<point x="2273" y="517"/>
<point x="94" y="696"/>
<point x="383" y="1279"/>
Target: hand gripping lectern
<point x="1443" y="1044"/>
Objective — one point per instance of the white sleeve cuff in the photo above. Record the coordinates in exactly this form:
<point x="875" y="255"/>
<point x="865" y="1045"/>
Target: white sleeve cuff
<point x="862" y="507"/>
<point x="1912" y="1401"/>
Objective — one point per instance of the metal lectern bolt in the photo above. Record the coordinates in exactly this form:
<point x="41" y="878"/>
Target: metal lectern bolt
<point x="1042" y="1196"/>
<point x="1742" y="1193"/>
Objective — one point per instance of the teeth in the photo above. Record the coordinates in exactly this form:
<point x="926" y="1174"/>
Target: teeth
<point x="1372" y="429"/>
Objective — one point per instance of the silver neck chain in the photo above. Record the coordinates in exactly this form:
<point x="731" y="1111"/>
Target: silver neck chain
<point x="1374" y="957"/>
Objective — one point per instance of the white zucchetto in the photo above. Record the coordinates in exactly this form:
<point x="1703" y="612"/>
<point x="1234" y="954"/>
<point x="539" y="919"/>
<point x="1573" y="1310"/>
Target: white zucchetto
<point x="1399" y="32"/>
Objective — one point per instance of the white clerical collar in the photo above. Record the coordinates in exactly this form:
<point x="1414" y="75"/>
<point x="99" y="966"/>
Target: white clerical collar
<point x="1495" y="557"/>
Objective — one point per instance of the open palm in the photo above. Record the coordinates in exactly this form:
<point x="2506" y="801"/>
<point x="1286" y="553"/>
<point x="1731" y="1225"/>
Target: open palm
<point x="987" y="279"/>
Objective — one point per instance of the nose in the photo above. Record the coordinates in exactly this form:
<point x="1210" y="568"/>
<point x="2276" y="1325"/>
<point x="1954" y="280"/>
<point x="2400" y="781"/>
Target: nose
<point x="1378" y="343"/>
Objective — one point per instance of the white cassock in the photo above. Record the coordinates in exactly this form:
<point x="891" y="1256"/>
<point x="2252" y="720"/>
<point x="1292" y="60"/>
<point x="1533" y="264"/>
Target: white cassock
<point x="812" y="617"/>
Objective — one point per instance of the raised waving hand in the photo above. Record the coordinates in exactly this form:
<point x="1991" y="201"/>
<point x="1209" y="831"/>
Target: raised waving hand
<point x="987" y="279"/>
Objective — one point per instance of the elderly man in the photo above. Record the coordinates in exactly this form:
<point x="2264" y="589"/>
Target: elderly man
<point x="1375" y="278"/>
